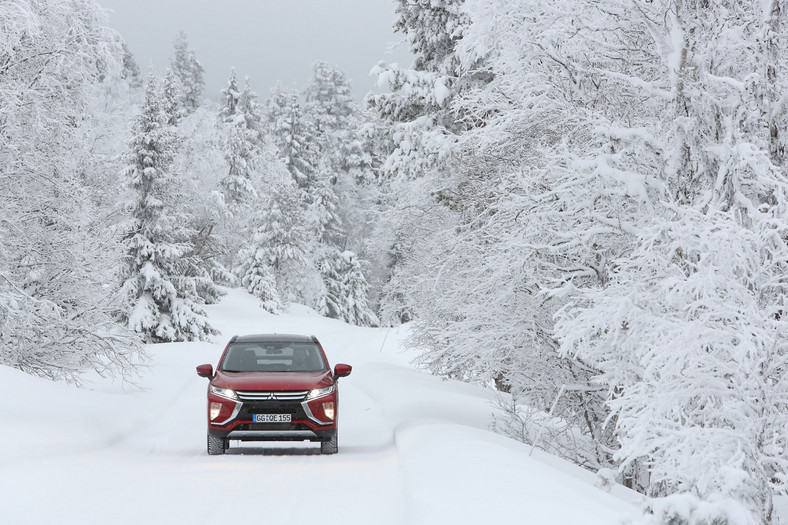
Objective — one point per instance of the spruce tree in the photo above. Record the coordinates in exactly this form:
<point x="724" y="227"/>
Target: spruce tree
<point x="230" y="96"/>
<point x="346" y="289"/>
<point x="289" y="129"/>
<point x="281" y="242"/>
<point x="240" y="117"/>
<point x="258" y="279"/>
<point x="189" y="72"/>
<point x="329" y="99"/>
<point x="162" y="301"/>
<point x="332" y="116"/>
<point x="172" y="99"/>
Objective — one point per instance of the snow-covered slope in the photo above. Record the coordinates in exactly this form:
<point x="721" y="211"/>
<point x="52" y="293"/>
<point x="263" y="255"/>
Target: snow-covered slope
<point x="413" y="448"/>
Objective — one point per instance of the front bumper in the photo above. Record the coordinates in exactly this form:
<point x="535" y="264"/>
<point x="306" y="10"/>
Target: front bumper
<point x="308" y="419"/>
<point x="274" y="435"/>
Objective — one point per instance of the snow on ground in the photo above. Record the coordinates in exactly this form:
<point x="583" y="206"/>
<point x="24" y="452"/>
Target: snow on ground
<point x="413" y="448"/>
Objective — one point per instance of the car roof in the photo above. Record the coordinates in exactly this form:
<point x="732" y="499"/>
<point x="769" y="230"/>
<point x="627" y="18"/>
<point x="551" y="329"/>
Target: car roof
<point x="273" y="338"/>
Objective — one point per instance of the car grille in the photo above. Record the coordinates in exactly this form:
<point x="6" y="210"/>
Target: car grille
<point x="271" y="406"/>
<point x="253" y="395"/>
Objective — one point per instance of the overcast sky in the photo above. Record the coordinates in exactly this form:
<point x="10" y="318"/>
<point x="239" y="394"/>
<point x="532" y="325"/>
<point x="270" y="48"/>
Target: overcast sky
<point x="267" y="40"/>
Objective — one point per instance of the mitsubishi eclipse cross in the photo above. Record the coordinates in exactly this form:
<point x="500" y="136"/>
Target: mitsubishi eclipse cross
<point x="273" y="388"/>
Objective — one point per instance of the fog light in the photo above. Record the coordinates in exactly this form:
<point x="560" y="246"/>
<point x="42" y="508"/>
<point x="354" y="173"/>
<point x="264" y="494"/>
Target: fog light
<point x="217" y="407"/>
<point x="328" y="409"/>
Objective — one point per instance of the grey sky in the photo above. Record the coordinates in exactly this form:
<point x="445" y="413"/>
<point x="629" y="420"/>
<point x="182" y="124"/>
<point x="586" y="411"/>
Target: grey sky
<point x="267" y="40"/>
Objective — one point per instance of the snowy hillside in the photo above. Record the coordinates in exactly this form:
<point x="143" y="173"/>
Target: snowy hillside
<point x="413" y="448"/>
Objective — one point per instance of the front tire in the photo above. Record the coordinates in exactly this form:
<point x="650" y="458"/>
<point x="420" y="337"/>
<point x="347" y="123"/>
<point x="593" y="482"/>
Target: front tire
<point x="216" y="445"/>
<point x="331" y="446"/>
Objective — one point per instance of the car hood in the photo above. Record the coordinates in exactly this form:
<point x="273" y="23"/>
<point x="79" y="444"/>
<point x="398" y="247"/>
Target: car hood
<point x="271" y="381"/>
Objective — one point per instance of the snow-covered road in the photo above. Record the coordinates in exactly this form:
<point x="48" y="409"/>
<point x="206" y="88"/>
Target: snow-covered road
<point x="413" y="448"/>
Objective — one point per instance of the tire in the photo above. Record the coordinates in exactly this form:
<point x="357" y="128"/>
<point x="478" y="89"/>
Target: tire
<point x="216" y="446"/>
<point x="329" y="447"/>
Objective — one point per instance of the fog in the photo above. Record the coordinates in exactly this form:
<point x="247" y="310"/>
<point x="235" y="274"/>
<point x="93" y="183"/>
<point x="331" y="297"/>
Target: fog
<point x="267" y="40"/>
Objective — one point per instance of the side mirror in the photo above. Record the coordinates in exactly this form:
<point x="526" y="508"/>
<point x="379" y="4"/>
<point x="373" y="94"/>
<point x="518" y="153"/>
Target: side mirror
<point x="205" y="371"/>
<point x="342" y="370"/>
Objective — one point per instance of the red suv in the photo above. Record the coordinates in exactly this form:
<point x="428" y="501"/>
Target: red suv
<point x="273" y="388"/>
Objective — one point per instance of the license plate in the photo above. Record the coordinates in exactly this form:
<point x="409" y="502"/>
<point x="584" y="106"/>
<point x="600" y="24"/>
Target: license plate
<point x="272" y="418"/>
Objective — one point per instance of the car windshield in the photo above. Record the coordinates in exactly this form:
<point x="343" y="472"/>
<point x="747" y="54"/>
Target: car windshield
<point x="273" y="357"/>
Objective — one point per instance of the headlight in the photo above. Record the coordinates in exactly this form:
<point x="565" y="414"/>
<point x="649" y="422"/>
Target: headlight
<point x="320" y="392"/>
<point x="223" y="392"/>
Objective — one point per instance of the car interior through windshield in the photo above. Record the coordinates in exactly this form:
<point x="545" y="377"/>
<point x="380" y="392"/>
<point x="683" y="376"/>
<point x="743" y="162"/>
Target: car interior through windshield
<point x="273" y="357"/>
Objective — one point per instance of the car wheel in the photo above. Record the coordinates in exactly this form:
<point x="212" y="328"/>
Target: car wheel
<point x="216" y="445"/>
<point x="329" y="447"/>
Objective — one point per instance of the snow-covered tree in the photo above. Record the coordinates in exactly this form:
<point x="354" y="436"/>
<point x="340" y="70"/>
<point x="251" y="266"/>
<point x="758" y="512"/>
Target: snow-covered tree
<point x="289" y="131"/>
<point x="188" y="71"/>
<point x="230" y="96"/>
<point x="172" y="99"/>
<point x="198" y="162"/>
<point x="419" y="100"/>
<point x="342" y="161"/>
<point x="425" y="121"/>
<point x="56" y="255"/>
<point x="281" y="242"/>
<point x="704" y="289"/>
<point x="323" y="213"/>
<point x="261" y="261"/>
<point x="198" y="267"/>
<point x="241" y="119"/>
<point x="329" y="99"/>
<point x="689" y="332"/>
<point x="162" y="299"/>
<point x="346" y="289"/>
<point x="321" y="142"/>
<point x="621" y="146"/>
<point x="259" y="280"/>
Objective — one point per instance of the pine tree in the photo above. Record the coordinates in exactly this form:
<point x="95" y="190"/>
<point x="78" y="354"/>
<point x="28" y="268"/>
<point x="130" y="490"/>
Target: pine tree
<point x="162" y="300"/>
<point x="329" y="99"/>
<point x="333" y="116"/>
<point x="240" y="115"/>
<point x="288" y="128"/>
<point x="356" y="287"/>
<point x="321" y="148"/>
<point x="172" y="99"/>
<point x="260" y="282"/>
<point x="419" y="103"/>
<point x="256" y="269"/>
<point x="189" y="72"/>
<point x="322" y="205"/>
<point x="230" y="96"/>
<point x="281" y="243"/>
<point x="346" y="289"/>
